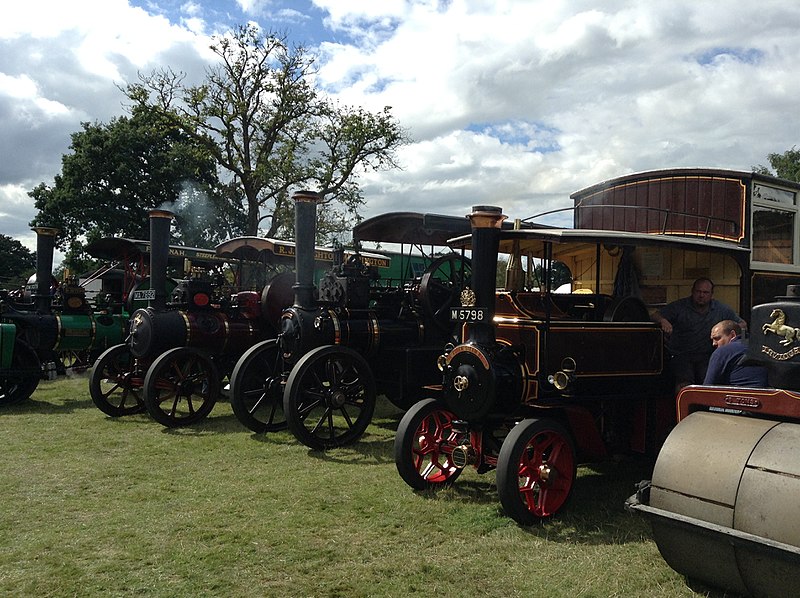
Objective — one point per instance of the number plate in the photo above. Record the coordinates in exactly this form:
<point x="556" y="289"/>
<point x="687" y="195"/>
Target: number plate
<point x="468" y="314"/>
<point x="147" y="295"/>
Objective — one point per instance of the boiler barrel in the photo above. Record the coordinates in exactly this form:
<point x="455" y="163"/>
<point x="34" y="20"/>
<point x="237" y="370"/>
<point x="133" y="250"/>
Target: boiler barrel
<point x="736" y="473"/>
<point x="368" y="334"/>
<point x="109" y="331"/>
<point x="154" y="332"/>
<point x="75" y="332"/>
<point x="78" y="332"/>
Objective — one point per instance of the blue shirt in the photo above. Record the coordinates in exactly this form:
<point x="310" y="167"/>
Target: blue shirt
<point x="691" y="330"/>
<point x="724" y="367"/>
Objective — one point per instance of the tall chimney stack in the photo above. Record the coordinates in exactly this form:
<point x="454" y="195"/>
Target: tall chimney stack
<point x="305" y="227"/>
<point x="486" y="223"/>
<point x="45" y="246"/>
<point x="160" y="221"/>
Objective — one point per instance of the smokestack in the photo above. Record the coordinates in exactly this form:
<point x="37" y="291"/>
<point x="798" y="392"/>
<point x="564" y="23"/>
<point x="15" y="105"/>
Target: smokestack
<point x="45" y="244"/>
<point x="486" y="222"/>
<point x="160" y="221"/>
<point x="305" y="226"/>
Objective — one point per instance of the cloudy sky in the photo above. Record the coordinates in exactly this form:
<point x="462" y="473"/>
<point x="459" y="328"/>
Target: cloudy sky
<point x="516" y="103"/>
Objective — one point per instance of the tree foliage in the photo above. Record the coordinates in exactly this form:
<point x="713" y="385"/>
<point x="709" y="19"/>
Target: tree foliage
<point x="116" y="172"/>
<point x="17" y="262"/>
<point x="258" y="114"/>
<point x="785" y="165"/>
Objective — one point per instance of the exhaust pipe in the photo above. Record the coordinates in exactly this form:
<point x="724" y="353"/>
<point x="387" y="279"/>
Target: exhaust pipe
<point x="45" y="246"/>
<point x="160" y="221"/>
<point x="486" y="222"/>
<point x="305" y="227"/>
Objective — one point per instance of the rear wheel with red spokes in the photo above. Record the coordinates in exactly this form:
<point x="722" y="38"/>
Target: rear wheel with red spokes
<point x="535" y="470"/>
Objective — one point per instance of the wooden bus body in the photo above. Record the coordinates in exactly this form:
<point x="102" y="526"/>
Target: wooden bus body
<point x="746" y="209"/>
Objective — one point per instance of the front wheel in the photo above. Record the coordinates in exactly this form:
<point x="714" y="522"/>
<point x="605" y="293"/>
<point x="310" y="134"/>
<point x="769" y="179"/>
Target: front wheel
<point x="257" y="384"/>
<point x="181" y="387"/>
<point x="21" y="379"/>
<point x="115" y="383"/>
<point x="535" y="470"/>
<point x="423" y="446"/>
<point x="329" y="397"/>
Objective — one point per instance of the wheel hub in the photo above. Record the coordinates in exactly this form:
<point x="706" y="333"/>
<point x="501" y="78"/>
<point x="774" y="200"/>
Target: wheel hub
<point x="546" y="473"/>
<point x="273" y="386"/>
<point x="337" y="398"/>
<point x="185" y="387"/>
<point x="461" y="383"/>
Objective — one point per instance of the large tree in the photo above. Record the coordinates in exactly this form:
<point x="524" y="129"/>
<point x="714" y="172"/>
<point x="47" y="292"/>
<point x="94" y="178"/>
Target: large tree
<point x="116" y="172"/>
<point x="17" y="262"/>
<point x="258" y="113"/>
<point x="785" y="165"/>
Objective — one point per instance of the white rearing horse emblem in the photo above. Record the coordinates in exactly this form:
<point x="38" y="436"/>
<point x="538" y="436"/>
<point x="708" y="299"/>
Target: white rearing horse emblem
<point x="779" y="327"/>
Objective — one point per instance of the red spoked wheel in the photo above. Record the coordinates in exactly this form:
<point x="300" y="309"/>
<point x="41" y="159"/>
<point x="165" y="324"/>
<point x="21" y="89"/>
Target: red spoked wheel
<point x="423" y="446"/>
<point x="535" y="470"/>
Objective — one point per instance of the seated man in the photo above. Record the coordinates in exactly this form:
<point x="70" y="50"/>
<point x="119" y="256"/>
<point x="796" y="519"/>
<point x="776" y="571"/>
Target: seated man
<point x="687" y="324"/>
<point x="724" y="367"/>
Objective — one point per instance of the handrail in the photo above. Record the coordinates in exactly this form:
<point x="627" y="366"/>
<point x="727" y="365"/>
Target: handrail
<point x="667" y="213"/>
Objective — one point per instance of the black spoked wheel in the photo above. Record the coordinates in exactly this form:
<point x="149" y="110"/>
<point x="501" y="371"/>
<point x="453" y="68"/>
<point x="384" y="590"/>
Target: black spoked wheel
<point x="19" y="382"/>
<point x="535" y="470"/>
<point x="257" y="384"/>
<point x="116" y="381"/>
<point x="181" y="387"/>
<point x="441" y="285"/>
<point x="423" y="446"/>
<point x="329" y="397"/>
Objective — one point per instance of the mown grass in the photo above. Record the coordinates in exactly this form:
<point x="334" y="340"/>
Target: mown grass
<point x="94" y="506"/>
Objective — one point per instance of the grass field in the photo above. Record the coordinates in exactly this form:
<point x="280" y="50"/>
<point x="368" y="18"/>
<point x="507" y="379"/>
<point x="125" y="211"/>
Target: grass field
<point x="94" y="506"/>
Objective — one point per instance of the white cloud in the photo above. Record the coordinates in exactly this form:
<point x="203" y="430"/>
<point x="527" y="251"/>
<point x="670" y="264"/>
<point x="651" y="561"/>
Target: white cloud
<point x="608" y="90"/>
<point x="59" y="66"/>
<point x="513" y="102"/>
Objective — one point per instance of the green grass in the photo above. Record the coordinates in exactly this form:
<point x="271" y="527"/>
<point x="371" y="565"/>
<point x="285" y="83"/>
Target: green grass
<point x="94" y="506"/>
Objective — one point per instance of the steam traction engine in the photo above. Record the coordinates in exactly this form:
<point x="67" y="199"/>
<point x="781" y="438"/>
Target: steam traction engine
<point x="344" y="342"/>
<point x="542" y="380"/>
<point x="727" y="480"/>
<point x="177" y="353"/>
<point x="56" y="331"/>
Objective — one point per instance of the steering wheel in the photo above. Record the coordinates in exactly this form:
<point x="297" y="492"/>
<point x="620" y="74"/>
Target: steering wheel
<point x="441" y="285"/>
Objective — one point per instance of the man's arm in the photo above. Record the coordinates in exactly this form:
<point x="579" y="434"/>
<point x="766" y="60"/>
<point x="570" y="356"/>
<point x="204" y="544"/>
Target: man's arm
<point x="662" y="321"/>
<point x="732" y="315"/>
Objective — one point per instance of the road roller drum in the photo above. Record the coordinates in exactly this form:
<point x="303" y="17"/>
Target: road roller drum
<point x="739" y="475"/>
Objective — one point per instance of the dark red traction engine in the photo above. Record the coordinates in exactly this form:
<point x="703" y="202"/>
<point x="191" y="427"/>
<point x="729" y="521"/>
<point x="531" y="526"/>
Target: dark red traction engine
<point x="532" y="389"/>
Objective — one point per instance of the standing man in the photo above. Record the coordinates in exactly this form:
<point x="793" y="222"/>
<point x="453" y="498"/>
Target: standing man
<point x="725" y="367"/>
<point x="687" y="325"/>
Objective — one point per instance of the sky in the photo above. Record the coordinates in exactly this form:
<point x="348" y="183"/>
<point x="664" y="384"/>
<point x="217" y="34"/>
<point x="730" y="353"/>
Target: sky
<point x="514" y="103"/>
